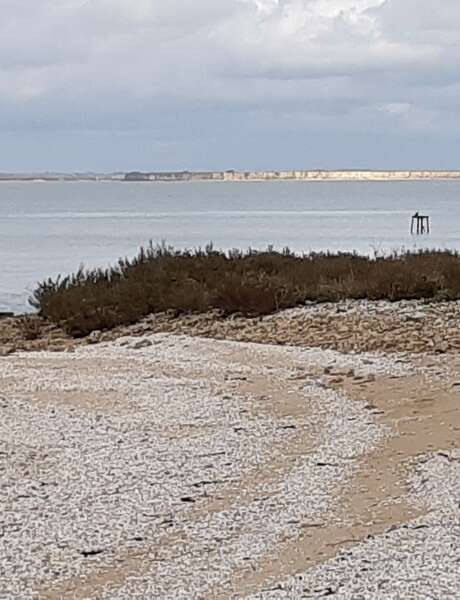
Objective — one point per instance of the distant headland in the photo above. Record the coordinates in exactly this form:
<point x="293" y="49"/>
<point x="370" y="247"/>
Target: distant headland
<point x="316" y="175"/>
<point x="234" y="175"/>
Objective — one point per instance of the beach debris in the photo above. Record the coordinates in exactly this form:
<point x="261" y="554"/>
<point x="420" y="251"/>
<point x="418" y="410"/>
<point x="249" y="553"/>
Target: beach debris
<point x="94" y="337"/>
<point x="91" y="552"/>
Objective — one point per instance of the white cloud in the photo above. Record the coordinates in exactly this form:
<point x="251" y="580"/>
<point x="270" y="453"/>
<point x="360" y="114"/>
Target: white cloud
<point x="391" y="60"/>
<point x="275" y="38"/>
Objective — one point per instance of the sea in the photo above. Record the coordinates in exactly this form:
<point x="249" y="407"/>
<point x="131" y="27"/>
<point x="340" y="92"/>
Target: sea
<point x="52" y="228"/>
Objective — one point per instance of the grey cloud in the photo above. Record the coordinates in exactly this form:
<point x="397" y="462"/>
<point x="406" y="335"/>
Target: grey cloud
<point x="183" y="73"/>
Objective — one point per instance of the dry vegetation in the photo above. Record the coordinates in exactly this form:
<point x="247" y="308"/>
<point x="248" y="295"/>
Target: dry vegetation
<point x="253" y="283"/>
<point x="30" y="327"/>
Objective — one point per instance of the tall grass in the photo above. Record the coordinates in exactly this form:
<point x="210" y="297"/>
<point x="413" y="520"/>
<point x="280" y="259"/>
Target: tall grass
<point x="251" y="282"/>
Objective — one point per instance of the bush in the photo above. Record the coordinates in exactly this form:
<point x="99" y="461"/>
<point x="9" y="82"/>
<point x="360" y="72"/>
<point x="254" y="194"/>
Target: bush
<point x="253" y="283"/>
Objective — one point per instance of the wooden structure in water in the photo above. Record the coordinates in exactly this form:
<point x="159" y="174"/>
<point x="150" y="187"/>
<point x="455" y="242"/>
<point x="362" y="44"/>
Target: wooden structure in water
<point x="420" y="223"/>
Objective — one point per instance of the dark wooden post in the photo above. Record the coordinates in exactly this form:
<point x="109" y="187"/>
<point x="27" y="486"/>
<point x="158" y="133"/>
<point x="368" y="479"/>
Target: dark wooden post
<point x="422" y="224"/>
<point x="414" y="219"/>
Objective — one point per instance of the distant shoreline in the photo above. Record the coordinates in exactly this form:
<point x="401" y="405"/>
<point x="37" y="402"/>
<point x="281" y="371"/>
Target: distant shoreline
<point x="234" y="176"/>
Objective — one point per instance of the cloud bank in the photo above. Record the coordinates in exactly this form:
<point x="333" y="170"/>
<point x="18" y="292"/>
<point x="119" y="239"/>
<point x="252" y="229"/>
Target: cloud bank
<point x="229" y="83"/>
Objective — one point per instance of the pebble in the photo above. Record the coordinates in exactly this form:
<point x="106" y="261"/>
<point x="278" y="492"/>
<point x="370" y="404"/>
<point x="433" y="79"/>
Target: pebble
<point x="139" y="344"/>
<point x="349" y="326"/>
<point x="94" y="337"/>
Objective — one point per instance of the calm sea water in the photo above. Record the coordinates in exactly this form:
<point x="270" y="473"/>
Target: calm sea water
<point x="51" y="228"/>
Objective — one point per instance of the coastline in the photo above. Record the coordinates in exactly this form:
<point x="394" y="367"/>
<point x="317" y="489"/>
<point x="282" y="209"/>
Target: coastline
<point x="289" y="453"/>
<point x="293" y="175"/>
<point x="236" y="176"/>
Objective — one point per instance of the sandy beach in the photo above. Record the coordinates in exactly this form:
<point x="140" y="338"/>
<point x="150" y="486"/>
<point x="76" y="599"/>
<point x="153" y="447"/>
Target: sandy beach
<point x="171" y="464"/>
<point x="229" y="300"/>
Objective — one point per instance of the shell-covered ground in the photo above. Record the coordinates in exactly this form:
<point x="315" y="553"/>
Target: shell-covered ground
<point x="169" y="466"/>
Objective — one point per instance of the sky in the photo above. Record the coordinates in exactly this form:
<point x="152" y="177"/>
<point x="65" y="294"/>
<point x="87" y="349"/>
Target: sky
<point x="107" y="85"/>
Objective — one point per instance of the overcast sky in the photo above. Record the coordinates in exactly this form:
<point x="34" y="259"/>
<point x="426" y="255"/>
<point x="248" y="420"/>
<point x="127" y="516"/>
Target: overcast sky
<point x="174" y="84"/>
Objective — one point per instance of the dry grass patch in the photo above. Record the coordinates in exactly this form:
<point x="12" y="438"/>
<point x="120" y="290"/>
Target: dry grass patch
<point x="252" y="283"/>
